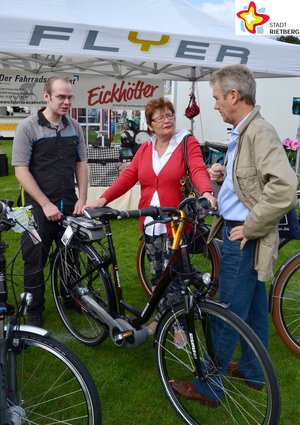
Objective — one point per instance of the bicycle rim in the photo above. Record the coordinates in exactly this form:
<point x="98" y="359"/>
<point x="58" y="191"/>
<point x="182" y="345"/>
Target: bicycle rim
<point x="206" y="259"/>
<point x="238" y="403"/>
<point x="53" y="387"/>
<point x="286" y="304"/>
<point x="76" y="272"/>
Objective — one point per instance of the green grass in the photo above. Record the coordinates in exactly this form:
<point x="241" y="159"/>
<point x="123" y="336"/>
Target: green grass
<point x="127" y="380"/>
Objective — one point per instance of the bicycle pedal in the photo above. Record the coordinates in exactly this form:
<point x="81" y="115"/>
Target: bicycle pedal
<point x="122" y="335"/>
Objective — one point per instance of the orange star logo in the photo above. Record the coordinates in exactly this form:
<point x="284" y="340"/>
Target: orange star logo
<point x="252" y="18"/>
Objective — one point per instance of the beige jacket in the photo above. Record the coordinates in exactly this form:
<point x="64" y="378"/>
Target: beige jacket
<point x="266" y="184"/>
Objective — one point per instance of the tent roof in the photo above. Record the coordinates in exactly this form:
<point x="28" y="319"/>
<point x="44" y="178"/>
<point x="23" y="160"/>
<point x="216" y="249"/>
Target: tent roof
<point x="168" y="39"/>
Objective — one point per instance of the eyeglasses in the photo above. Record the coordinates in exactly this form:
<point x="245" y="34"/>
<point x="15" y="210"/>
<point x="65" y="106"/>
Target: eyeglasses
<point x="62" y="98"/>
<point x="169" y="116"/>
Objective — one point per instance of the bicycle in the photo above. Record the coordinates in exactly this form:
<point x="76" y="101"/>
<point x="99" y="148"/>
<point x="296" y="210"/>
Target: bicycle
<point x="42" y="381"/>
<point x="91" y="305"/>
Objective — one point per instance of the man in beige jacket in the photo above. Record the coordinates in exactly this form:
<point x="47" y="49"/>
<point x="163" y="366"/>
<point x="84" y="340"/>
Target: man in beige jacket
<point x="258" y="186"/>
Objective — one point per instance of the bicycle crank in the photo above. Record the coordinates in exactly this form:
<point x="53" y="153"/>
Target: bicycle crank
<point x="124" y="335"/>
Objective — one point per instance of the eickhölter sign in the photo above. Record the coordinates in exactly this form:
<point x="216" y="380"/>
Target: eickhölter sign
<point x="21" y="88"/>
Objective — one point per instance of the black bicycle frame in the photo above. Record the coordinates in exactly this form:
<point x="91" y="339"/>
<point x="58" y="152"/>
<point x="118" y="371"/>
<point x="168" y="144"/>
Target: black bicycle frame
<point x="178" y="257"/>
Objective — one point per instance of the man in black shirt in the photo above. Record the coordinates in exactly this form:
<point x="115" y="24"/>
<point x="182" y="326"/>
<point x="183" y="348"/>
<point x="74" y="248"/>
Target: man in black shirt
<point x="48" y="150"/>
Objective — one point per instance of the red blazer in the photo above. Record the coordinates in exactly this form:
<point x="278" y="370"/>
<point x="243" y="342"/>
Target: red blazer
<point x="167" y="182"/>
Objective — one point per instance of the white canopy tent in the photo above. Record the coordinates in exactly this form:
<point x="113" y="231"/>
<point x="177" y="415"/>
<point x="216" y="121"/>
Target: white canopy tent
<point x="130" y="39"/>
<point x="169" y="39"/>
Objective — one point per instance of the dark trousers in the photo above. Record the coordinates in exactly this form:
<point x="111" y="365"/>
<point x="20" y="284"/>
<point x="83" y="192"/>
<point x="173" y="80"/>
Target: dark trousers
<point x="35" y="256"/>
<point x="158" y="253"/>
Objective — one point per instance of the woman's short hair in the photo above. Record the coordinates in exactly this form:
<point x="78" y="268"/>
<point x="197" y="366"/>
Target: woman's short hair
<point x="154" y="104"/>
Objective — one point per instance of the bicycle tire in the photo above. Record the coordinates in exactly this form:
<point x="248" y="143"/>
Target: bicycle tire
<point x="205" y="261"/>
<point x="285" y="293"/>
<point x="239" y="403"/>
<point x="77" y="271"/>
<point x="52" y="385"/>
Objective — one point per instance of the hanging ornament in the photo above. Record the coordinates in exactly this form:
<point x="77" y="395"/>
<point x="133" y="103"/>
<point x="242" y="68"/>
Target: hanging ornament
<point x="192" y="109"/>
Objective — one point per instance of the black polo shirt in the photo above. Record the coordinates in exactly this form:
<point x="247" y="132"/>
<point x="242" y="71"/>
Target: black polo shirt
<point x="51" y="153"/>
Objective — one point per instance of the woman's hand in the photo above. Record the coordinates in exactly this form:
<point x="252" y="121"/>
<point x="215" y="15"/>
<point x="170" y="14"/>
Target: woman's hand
<point x="211" y="198"/>
<point x="98" y="203"/>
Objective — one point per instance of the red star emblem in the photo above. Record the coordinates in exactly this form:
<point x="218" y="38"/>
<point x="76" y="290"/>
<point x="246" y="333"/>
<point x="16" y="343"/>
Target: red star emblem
<point x="252" y="18"/>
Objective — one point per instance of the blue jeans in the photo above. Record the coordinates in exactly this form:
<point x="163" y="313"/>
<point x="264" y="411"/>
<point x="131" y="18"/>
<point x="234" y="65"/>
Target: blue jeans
<point x="247" y="296"/>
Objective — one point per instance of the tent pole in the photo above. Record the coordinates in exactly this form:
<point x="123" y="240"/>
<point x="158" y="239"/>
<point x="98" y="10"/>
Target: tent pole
<point x="193" y="78"/>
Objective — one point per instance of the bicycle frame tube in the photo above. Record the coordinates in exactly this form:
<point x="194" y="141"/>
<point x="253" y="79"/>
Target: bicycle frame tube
<point x="115" y="268"/>
<point x="165" y="279"/>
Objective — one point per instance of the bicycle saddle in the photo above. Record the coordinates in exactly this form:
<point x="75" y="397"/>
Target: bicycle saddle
<point x="102" y="213"/>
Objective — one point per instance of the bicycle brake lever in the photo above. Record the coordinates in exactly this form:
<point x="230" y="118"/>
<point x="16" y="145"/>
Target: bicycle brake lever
<point x="163" y="221"/>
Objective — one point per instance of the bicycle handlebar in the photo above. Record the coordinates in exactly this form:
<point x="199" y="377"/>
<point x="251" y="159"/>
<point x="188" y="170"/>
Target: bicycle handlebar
<point x="191" y="207"/>
<point x="150" y="211"/>
<point x="154" y="212"/>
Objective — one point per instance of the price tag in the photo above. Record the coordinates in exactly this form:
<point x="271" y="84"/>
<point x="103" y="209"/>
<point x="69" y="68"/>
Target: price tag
<point x="20" y="216"/>
<point x="67" y="236"/>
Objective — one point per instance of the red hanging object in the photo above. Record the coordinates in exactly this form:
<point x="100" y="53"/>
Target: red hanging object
<point x="192" y="109"/>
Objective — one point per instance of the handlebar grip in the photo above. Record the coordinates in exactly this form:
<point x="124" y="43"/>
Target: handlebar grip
<point x="3" y="210"/>
<point x="204" y="203"/>
<point x="143" y="212"/>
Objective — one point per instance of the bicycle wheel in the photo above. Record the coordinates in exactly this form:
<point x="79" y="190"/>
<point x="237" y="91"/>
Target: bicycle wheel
<point x="238" y="403"/>
<point x="49" y="384"/>
<point x="286" y="303"/>
<point x="205" y="259"/>
<point x="77" y="272"/>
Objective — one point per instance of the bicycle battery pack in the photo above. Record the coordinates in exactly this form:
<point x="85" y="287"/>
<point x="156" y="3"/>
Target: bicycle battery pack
<point x="87" y="228"/>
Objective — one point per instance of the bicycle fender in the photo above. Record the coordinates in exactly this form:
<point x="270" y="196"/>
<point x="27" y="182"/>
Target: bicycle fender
<point x="216" y="302"/>
<point x="32" y="329"/>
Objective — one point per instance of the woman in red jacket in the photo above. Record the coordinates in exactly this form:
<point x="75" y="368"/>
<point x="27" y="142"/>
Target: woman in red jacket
<point x="158" y="166"/>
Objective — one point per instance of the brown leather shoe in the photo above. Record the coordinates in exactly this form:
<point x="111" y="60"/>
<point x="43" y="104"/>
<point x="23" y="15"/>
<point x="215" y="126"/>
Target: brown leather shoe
<point x="235" y="371"/>
<point x="186" y="390"/>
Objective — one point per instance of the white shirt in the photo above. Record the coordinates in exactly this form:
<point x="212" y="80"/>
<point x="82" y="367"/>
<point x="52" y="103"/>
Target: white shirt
<point x="158" y="163"/>
<point x="229" y="204"/>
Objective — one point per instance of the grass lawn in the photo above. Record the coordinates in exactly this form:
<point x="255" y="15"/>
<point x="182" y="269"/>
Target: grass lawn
<point x="127" y="380"/>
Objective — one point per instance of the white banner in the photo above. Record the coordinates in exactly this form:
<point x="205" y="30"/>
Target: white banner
<point x="26" y="89"/>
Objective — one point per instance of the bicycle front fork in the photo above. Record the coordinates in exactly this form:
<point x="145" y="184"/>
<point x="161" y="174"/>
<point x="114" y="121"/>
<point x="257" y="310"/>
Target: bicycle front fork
<point x="190" y="319"/>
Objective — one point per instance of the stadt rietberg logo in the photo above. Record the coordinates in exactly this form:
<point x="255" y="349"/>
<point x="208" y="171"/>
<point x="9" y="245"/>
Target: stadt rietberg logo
<point x="253" y="19"/>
